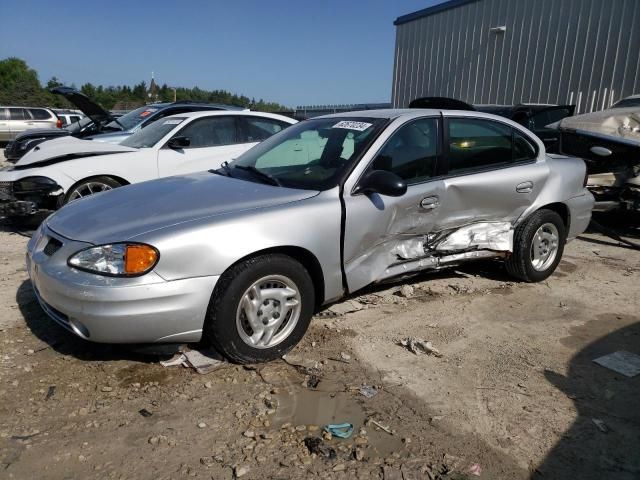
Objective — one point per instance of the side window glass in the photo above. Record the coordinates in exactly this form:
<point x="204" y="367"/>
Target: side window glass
<point x="3" y="114"/>
<point x="259" y="129"/>
<point x="210" y="132"/>
<point x="411" y="152"/>
<point x="39" y="114"/>
<point x="522" y="148"/>
<point x="18" y="114"/>
<point x="475" y="144"/>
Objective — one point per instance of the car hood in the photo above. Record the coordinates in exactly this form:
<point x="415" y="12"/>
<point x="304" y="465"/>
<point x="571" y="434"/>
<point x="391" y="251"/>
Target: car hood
<point x="87" y="106"/>
<point x="67" y="148"/>
<point x="41" y="132"/>
<point x="616" y="123"/>
<point x="130" y="211"/>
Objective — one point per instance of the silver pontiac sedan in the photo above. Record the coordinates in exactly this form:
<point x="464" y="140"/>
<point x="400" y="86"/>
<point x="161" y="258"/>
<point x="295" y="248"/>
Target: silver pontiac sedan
<point x="242" y="256"/>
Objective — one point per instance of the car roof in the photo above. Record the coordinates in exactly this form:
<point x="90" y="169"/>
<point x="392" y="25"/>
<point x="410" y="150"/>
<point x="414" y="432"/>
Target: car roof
<point x="180" y="103"/>
<point x="212" y="113"/>
<point x="387" y="113"/>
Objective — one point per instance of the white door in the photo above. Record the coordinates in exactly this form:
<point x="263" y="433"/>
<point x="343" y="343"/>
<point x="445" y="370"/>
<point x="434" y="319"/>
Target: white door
<point x="212" y="140"/>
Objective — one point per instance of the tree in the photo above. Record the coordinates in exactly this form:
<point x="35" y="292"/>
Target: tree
<point x="19" y="84"/>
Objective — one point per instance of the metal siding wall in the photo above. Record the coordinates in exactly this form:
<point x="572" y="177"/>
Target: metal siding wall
<point x="554" y="51"/>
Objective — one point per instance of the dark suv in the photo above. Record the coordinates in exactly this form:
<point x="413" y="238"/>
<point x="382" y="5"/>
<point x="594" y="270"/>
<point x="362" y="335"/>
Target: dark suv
<point x="101" y="125"/>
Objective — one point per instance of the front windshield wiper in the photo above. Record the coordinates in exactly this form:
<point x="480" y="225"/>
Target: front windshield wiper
<point x="259" y="173"/>
<point x="226" y="169"/>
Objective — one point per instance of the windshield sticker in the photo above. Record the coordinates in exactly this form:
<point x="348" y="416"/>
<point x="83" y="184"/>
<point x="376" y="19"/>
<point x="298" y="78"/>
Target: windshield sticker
<point x="173" y="121"/>
<point x="358" y="126"/>
<point x="148" y="112"/>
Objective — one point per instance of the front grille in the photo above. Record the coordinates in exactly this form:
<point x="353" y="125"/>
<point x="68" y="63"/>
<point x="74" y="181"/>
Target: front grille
<point x="52" y="247"/>
<point x="6" y="188"/>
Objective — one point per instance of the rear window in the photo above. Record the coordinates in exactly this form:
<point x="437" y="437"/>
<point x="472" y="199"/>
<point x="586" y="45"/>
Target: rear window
<point x="39" y="114"/>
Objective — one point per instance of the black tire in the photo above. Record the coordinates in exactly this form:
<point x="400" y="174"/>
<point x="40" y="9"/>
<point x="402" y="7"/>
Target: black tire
<point x="111" y="182"/>
<point x="519" y="264"/>
<point x="220" y="327"/>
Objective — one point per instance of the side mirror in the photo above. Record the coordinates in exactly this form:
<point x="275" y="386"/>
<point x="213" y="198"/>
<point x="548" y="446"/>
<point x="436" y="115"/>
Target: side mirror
<point x="382" y="182"/>
<point x="179" y="142"/>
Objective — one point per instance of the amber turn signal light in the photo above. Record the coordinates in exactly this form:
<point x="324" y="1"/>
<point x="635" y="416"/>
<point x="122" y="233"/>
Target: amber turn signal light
<point x="139" y="258"/>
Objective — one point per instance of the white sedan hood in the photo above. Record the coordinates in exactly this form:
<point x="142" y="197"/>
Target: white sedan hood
<point x="68" y="148"/>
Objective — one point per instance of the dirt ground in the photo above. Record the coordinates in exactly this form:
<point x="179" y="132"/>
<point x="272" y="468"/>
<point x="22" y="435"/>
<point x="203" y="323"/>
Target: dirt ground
<point x="514" y="395"/>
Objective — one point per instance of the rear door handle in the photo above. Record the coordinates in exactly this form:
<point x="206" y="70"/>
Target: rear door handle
<point x="430" y="203"/>
<point x="524" y="187"/>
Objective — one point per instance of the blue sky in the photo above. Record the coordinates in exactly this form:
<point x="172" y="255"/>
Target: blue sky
<point x="292" y="52"/>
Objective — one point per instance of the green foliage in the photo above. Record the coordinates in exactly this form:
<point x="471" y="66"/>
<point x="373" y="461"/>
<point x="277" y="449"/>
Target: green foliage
<point x="19" y="85"/>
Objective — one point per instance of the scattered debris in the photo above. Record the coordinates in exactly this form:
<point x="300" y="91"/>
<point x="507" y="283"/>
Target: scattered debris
<point x="202" y="425"/>
<point x="343" y="308"/>
<point x="300" y="361"/>
<point x="316" y="445"/>
<point x="419" y="346"/>
<point x="145" y="413"/>
<point x="240" y="471"/>
<point x="339" y="359"/>
<point x="340" y="430"/>
<point x="475" y="469"/>
<point x="406" y="291"/>
<point x="202" y="361"/>
<point x="312" y="381"/>
<point x="51" y="392"/>
<point x="368" y="391"/>
<point x="380" y="426"/>
<point x="623" y="362"/>
<point x="345" y="356"/>
<point x="600" y="424"/>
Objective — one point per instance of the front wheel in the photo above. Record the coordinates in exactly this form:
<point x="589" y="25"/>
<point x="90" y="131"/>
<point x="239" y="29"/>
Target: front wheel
<point x="538" y="245"/>
<point x="260" y="309"/>
<point x="89" y="187"/>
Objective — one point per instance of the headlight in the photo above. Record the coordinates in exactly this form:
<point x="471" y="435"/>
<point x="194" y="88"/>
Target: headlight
<point x="35" y="185"/>
<point x="118" y="259"/>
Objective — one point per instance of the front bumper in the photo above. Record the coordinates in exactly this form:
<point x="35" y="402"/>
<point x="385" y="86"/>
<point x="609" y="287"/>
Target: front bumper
<point x="102" y="309"/>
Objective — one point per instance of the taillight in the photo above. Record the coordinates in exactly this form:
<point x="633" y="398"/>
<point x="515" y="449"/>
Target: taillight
<point x="59" y="123"/>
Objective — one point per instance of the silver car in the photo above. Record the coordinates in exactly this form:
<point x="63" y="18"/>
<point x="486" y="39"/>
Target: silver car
<point x="244" y="255"/>
<point x="15" y="120"/>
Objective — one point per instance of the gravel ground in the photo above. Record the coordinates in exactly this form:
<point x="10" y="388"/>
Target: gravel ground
<point x="514" y="394"/>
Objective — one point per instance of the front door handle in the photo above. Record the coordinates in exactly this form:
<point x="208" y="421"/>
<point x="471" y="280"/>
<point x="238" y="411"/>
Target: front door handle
<point x="430" y="203"/>
<point x="524" y="187"/>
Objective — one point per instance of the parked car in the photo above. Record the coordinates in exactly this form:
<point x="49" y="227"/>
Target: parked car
<point x="62" y="170"/>
<point x="67" y="117"/>
<point x="534" y="116"/>
<point x="631" y="101"/>
<point x="99" y="124"/>
<point x="15" y="120"/>
<point x="243" y="255"/>
<point x="609" y="143"/>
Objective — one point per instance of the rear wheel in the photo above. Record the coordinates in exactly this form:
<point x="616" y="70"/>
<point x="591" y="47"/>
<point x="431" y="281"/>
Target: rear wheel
<point x="90" y="186"/>
<point x="538" y="245"/>
<point x="260" y="309"/>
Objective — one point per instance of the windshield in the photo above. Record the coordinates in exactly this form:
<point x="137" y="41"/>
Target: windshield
<point x="75" y="127"/>
<point x="149" y="136"/>
<point x="133" y="118"/>
<point x="310" y="155"/>
<point x="627" y="102"/>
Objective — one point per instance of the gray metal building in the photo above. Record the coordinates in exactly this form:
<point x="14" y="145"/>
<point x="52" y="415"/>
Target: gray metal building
<point x="582" y="52"/>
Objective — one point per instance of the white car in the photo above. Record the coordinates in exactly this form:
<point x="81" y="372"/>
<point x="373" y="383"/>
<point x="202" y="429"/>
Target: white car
<point x="65" y="169"/>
